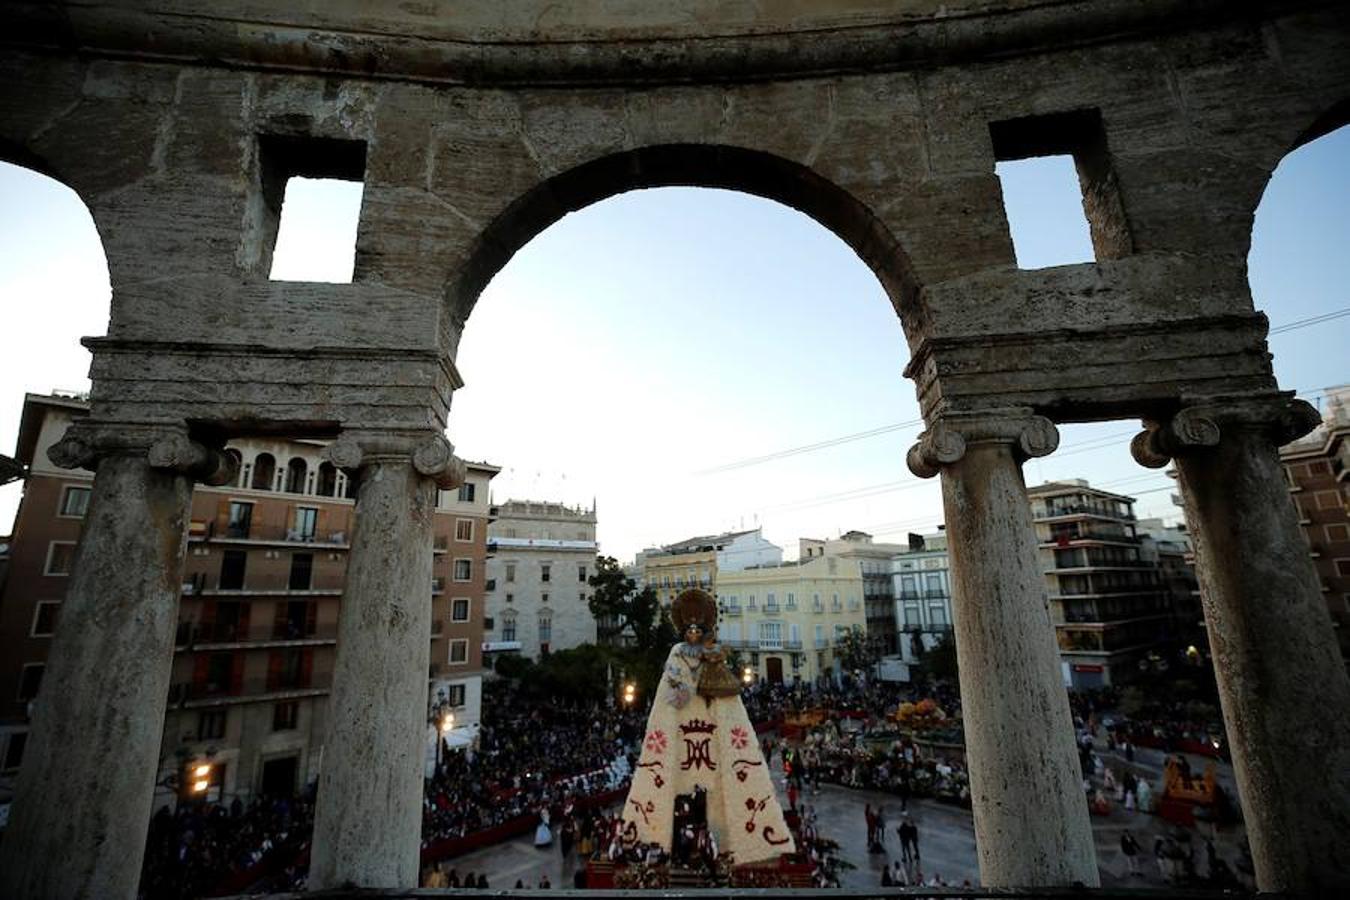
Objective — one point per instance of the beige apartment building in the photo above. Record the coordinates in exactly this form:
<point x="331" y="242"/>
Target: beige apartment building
<point x="1108" y="604"/>
<point x="786" y="619"/>
<point x="538" y="594"/>
<point x="258" y="610"/>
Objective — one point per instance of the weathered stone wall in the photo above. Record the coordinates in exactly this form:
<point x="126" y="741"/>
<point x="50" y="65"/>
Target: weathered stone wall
<point x="475" y="125"/>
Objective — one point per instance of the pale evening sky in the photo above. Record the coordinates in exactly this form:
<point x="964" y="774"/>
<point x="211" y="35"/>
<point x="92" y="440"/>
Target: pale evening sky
<point x="654" y="336"/>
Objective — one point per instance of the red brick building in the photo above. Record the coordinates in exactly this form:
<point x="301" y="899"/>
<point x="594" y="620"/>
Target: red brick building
<point x="1318" y="471"/>
<point x="258" y="614"/>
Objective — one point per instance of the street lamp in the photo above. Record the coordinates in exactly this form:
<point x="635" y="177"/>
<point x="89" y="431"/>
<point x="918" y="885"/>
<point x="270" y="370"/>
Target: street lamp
<point x="747" y="676"/>
<point x="201" y="775"/>
<point x="629" y="693"/>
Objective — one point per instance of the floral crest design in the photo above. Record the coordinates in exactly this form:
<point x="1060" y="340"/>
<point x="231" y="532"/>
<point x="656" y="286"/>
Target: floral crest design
<point x="740" y="738"/>
<point x="656" y="741"/>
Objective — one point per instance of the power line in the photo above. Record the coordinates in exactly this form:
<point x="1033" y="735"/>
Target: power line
<point x="897" y="426"/>
<point x="1311" y="320"/>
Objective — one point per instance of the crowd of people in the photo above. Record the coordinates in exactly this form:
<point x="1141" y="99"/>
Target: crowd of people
<point x="192" y="851"/>
<point x="529" y="755"/>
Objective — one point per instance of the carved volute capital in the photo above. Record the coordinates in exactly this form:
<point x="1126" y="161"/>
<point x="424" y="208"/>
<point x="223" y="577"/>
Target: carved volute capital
<point x="947" y="440"/>
<point x="432" y="456"/>
<point x="1280" y="416"/>
<point x="163" y="446"/>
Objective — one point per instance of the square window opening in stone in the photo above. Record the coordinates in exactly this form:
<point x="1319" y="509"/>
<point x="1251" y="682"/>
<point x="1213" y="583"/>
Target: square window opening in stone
<point x="1060" y="191"/>
<point x="307" y="209"/>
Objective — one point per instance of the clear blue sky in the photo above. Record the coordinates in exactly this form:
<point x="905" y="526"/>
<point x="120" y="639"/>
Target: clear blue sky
<point x="661" y="333"/>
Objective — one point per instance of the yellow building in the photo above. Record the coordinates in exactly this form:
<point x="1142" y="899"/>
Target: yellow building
<point x="784" y="619"/>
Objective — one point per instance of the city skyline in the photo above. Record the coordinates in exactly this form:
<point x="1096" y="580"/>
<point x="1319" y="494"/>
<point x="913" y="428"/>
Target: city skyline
<point x="741" y="331"/>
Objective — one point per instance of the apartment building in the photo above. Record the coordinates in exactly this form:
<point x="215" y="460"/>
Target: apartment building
<point x="538" y="594"/>
<point x="786" y="618"/>
<point x="1317" y="468"/>
<point x="696" y="561"/>
<point x="1107" y="600"/>
<point x="877" y="561"/>
<point x="923" y="598"/>
<point x="258" y="614"/>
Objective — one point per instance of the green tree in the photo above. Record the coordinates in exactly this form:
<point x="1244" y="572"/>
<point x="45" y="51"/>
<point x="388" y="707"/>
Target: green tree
<point x="857" y="652"/>
<point x="623" y="614"/>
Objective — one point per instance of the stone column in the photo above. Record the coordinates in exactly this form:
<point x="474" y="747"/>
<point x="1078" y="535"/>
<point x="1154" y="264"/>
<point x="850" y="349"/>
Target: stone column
<point x="1031" y="818"/>
<point x="1282" y="682"/>
<point x="368" y="817"/>
<point x="84" y="795"/>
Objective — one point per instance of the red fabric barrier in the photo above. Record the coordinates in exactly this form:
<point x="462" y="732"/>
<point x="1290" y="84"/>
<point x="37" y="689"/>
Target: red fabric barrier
<point x="448" y="848"/>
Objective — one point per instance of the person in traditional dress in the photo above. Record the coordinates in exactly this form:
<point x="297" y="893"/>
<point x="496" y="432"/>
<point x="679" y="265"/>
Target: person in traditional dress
<point x="543" y="835"/>
<point x="699" y="736"/>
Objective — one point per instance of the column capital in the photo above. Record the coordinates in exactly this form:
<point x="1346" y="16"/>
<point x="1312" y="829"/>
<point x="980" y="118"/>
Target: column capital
<point x="950" y="433"/>
<point x="164" y="447"/>
<point x="431" y="455"/>
<point x="1204" y="423"/>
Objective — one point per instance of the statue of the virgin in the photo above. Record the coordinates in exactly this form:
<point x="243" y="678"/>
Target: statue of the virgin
<point x="699" y="736"/>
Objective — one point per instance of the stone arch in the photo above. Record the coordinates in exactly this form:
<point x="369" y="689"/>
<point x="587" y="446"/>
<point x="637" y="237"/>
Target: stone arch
<point x="296" y="472"/>
<point x="750" y="171"/>
<point x="264" y="472"/>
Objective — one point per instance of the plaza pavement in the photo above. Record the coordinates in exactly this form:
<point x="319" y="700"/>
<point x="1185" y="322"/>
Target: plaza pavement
<point x="946" y="837"/>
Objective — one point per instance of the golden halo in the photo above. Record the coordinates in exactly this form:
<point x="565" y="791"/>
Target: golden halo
<point x="694" y="605"/>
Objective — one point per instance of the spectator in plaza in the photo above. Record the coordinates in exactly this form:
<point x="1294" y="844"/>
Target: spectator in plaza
<point x="544" y="883"/>
<point x="871" y="826"/>
<point x="881" y="827"/>
<point x="482" y="881"/>
<point x="909" y="840"/>
<point x="1130" y="847"/>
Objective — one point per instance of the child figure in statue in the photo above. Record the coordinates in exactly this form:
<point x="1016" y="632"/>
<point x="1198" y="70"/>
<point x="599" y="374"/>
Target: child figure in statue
<point x="698" y="736"/>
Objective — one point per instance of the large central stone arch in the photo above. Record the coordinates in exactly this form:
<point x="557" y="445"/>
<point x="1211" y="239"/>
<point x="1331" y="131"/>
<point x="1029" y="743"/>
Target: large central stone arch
<point x="473" y="125"/>
<point x="687" y="165"/>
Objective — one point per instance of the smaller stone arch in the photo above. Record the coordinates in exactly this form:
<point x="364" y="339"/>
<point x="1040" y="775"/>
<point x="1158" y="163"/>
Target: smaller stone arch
<point x="327" y="483"/>
<point x="238" y="466"/>
<point x="297" y="470"/>
<point x="264" y="472"/>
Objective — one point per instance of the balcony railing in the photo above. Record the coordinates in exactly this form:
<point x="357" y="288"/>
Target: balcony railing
<point x="224" y="636"/>
<point x="257" y="534"/>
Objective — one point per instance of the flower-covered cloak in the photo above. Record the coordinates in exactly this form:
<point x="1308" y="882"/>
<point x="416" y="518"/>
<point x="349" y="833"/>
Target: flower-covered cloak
<point x="693" y="742"/>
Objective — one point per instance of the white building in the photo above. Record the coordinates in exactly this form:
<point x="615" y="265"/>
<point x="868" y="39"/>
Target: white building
<point x="540" y="556"/>
<point x="923" y="597"/>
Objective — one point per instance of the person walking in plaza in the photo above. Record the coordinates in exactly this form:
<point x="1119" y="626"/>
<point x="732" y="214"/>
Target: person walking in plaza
<point x="909" y="840"/>
<point x="1130" y="847"/>
<point x="871" y="825"/>
<point x="881" y="828"/>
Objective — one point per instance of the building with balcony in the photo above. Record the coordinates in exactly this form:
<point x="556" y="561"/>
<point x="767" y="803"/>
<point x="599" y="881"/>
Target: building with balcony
<point x="877" y="562"/>
<point x="784" y="619"/>
<point x="1317" y="468"/>
<point x="540" y="557"/>
<point x="1108" y="602"/>
<point x="922" y="597"/>
<point x="696" y="561"/>
<point x="258" y="612"/>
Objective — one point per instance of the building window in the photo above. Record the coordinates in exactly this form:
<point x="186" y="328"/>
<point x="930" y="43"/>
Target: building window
<point x="285" y="716"/>
<point x="464" y="529"/>
<point x="455" y="695"/>
<point x="44" y="618"/>
<point x="60" y="557"/>
<point x="466" y="492"/>
<point x="302" y="571"/>
<point x="14" y="750"/>
<point x="463" y="569"/>
<point x="508" y="629"/>
<point x="750" y="602"/>
<point x="581" y="574"/>
<point x="306" y="523"/>
<point x="297" y="470"/>
<point x="912" y="618"/>
<point x="545" y="629"/>
<point x="459" y="609"/>
<point x="770" y="634"/>
<point x="75" y="502"/>
<point x="545" y="571"/>
<point x="581" y="598"/>
<point x="510" y="572"/>
<point x="211" y="725"/>
<point x="791" y="601"/>
<point x="937" y="615"/>
<point x="543" y="598"/>
<point x="820" y="635"/>
<point x="232" y="566"/>
<point x="510" y="598"/>
<point x="240" y="521"/>
<point x="30" y="680"/>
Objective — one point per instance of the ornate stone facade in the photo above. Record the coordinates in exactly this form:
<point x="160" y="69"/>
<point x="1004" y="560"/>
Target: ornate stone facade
<point x="472" y="129"/>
